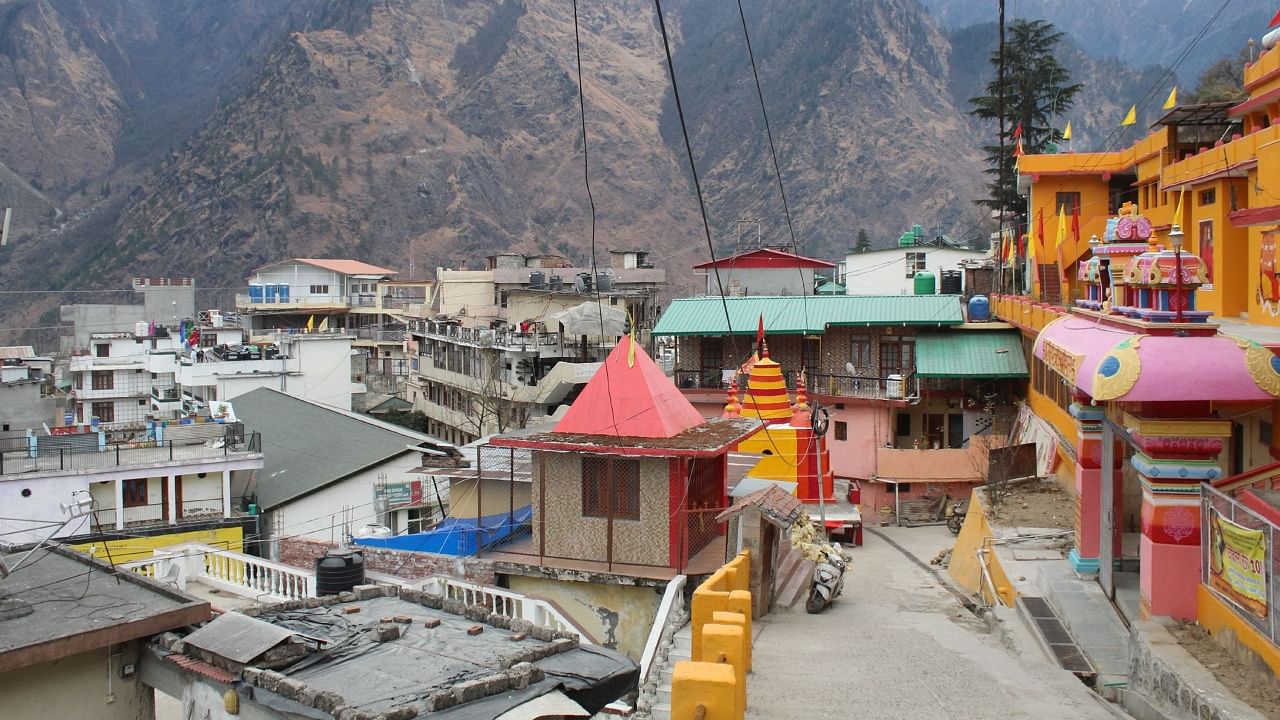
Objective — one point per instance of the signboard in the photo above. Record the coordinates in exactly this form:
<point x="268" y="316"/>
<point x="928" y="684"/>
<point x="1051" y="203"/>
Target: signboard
<point x="1063" y="361"/>
<point x="1237" y="563"/>
<point x="399" y="494"/>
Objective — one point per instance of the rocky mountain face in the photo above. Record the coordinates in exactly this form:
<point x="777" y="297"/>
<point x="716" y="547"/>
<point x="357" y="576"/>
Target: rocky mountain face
<point x="1137" y="32"/>
<point x="206" y="137"/>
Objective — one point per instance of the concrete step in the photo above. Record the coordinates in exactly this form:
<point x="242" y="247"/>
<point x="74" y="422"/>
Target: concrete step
<point x="661" y="711"/>
<point x="794" y="583"/>
<point x="676" y="655"/>
<point x="664" y="694"/>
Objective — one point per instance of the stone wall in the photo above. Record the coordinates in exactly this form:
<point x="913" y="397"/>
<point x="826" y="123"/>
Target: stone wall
<point x="1166" y="676"/>
<point x="407" y="565"/>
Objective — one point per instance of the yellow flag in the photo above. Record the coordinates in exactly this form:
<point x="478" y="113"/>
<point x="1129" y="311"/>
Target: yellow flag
<point x="1066" y="134"/>
<point x="311" y="323"/>
<point x="1031" y="248"/>
<point x="1062" y="226"/>
<point x="1132" y="117"/>
<point x="1177" y="209"/>
<point x="1172" y="101"/>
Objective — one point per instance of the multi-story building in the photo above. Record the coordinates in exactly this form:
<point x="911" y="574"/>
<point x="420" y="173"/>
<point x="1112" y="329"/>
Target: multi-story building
<point x="27" y="396"/>
<point x="902" y="376"/>
<point x="128" y="378"/>
<point x="499" y="348"/>
<point x="766" y="271"/>
<point x="162" y="486"/>
<point x="892" y="271"/>
<point x="165" y="301"/>
<point x="1156" y="326"/>
<point x="362" y="299"/>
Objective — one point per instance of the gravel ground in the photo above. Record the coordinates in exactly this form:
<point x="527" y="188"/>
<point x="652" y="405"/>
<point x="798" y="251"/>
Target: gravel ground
<point x="898" y="645"/>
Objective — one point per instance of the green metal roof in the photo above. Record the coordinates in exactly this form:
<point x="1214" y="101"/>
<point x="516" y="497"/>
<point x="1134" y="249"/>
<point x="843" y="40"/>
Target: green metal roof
<point x="970" y="354"/>
<point x="791" y="315"/>
<point x="830" y="288"/>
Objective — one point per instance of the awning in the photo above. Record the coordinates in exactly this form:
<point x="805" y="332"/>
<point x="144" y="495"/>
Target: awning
<point x="970" y="354"/>
<point x="1110" y="363"/>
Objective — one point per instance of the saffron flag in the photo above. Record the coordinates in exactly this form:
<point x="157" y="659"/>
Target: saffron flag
<point x="1006" y="244"/>
<point x="1017" y="132"/>
<point x="1132" y="117"/>
<point x="1075" y="222"/>
<point x="1062" y="226"/>
<point x="1172" y="101"/>
<point x="1032" y="241"/>
<point x="1066" y="133"/>
<point x="311" y="323"/>
<point x="1017" y="149"/>
<point x="1275" y="20"/>
<point x="1040" y="225"/>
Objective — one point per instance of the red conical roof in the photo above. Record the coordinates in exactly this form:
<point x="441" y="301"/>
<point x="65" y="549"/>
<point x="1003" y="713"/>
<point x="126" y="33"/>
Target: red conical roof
<point x="630" y="401"/>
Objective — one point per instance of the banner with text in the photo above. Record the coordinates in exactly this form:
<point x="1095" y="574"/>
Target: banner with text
<point x="1238" y="563"/>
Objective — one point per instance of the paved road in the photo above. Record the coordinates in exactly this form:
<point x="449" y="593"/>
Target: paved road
<point x="898" y="645"/>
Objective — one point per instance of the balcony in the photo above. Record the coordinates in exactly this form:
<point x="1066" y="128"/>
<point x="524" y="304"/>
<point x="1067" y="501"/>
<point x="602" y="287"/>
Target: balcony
<point x="382" y="336"/>
<point x="83" y="363"/>
<point x="245" y="303"/>
<point x="1027" y="314"/>
<point x="891" y="387"/>
<point x="1231" y="159"/>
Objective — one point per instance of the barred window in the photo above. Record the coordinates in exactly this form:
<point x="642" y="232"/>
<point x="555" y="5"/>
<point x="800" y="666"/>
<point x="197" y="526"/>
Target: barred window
<point x="610" y="487"/>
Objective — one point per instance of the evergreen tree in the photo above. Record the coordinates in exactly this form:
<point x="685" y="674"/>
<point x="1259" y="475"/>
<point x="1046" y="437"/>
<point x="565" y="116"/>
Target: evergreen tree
<point x="1037" y="91"/>
<point x="864" y="243"/>
<point x="1222" y="80"/>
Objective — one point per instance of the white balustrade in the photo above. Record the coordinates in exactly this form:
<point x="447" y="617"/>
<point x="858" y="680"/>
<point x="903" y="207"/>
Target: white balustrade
<point x="506" y="603"/>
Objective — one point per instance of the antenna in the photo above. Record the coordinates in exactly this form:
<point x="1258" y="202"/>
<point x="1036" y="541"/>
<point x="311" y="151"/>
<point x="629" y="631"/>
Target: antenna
<point x="81" y="504"/>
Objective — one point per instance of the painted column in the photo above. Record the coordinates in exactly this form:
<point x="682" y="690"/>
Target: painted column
<point x="1172" y="458"/>
<point x="173" y="498"/>
<point x="119" y="504"/>
<point x="1084" y="557"/>
<point x="226" y="493"/>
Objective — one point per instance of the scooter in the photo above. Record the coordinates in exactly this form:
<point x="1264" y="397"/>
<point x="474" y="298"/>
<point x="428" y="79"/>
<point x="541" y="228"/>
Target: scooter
<point x="828" y="579"/>
<point x="956" y="519"/>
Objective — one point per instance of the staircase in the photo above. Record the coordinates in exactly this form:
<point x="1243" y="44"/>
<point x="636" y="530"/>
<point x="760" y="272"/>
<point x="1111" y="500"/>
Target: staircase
<point x="794" y="577"/>
<point x="681" y="647"/>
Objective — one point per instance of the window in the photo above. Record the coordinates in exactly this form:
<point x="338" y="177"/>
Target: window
<point x="903" y="428"/>
<point x="860" y="354"/>
<point x="135" y="492"/>
<point x="102" y="350"/>
<point x="812" y="356"/>
<point x="1208" y="197"/>
<point x="842" y="430"/>
<point x="902" y="487"/>
<point x="319" y="289"/>
<point x="418" y="520"/>
<point x="103" y="380"/>
<point x="1068" y="202"/>
<point x="610" y="487"/>
<point x="915" y="263"/>
<point x="104" y="411"/>
<point x="712" y="362"/>
<point x="897" y="355"/>
<point x="79" y="380"/>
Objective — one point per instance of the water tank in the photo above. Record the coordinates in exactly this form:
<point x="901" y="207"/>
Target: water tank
<point x="979" y="309"/>
<point x="338" y="571"/>
<point x="557" y="283"/>
<point x="141" y="329"/>
<point x="584" y="282"/>
<point x="536" y="278"/>
<point x="925" y="283"/>
<point x="917" y="231"/>
<point x="604" y="281"/>
<point x="951" y="282"/>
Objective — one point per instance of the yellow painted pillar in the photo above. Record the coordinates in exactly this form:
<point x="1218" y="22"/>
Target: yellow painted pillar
<point x="712" y="686"/>
<point x="705" y="602"/>
<point x="727" y="642"/>
<point x="734" y="619"/>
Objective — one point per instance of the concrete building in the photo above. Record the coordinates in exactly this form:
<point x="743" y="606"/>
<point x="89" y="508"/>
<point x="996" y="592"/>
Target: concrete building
<point x="328" y="472"/>
<point x="163" y="485"/>
<point x="364" y="300"/>
<point x="27" y="398"/>
<point x="501" y="348"/>
<point x="72" y="635"/>
<point x="165" y="300"/>
<point x="892" y="271"/>
<point x="766" y="271"/>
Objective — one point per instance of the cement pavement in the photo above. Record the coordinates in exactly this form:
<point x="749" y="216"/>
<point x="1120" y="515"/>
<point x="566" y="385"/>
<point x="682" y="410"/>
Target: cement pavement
<point x="899" y="645"/>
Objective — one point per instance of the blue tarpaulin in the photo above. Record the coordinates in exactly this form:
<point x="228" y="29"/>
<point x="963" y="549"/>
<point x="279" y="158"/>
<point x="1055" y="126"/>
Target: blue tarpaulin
<point x="460" y="536"/>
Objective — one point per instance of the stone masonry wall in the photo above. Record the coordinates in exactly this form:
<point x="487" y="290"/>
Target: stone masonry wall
<point x="1166" y="676"/>
<point x="409" y="565"/>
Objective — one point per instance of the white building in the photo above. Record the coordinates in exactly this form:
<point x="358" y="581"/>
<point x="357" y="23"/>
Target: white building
<point x="892" y="271"/>
<point x="26" y="390"/>
<point x="766" y="271"/>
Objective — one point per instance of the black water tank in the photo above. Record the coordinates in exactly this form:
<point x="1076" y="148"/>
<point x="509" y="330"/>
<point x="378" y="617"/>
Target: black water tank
<point x="339" y="571"/>
<point x="951" y="282"/>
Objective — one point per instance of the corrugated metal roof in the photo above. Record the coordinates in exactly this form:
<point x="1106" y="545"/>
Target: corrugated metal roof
<point x="238" y="638"/>
<point x="970" y="354"/>
<point x="792" y="315"/>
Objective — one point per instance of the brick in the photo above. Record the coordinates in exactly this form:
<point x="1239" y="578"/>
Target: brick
<point x="442" y="700"/>
<point x="475" y="629"/>
<point x="403" y="619"/>
<point x="545" y="634"/>
<point x="401" y="712"/>
<point x="350" y="609"/>
<point x="386" y="632"/>
<point x="431" y="622"/>
<point x="366" y="592"/>
<point x="346" y="597"/>
<point x="327" y="701"/>
<point x="517" y="637"/>
<point x="469" y="691"/>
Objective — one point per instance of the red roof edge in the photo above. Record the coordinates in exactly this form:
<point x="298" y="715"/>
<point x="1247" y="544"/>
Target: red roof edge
<point x="765" y="258"/>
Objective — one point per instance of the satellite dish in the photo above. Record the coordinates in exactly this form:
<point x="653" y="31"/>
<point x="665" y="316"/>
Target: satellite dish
<point x="81" y="504"/>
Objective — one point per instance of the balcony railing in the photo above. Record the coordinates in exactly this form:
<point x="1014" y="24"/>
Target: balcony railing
<point x="506" y="603"/>
<point x="892" y="387"/>
<point x="396" y="335"/>
<point x="83" y="452"/>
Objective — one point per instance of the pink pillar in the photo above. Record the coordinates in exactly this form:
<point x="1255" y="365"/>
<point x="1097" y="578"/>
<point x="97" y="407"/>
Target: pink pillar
<point x="1171" y="470"/>
<point x="1084" y="558"/>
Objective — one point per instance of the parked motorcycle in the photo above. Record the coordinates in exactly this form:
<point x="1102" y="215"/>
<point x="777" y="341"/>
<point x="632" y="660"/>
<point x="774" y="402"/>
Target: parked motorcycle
<point x="828" y="579"/>
<point x="956" y="519"/>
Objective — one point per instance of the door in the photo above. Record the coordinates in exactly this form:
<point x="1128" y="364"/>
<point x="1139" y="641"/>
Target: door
<point x="1106" y="550"/>
<point x="767" y="579"/>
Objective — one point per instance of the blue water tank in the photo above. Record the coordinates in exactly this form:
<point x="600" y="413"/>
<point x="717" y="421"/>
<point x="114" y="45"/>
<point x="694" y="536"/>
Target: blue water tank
<point x="979" y="309"/>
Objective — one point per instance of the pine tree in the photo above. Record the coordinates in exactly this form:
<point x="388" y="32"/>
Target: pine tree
<point x="1037" y="91"/>
<point x="864" y="243"/>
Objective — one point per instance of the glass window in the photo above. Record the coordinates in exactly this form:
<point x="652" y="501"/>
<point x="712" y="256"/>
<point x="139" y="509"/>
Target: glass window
<point x="842" y="430"/>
